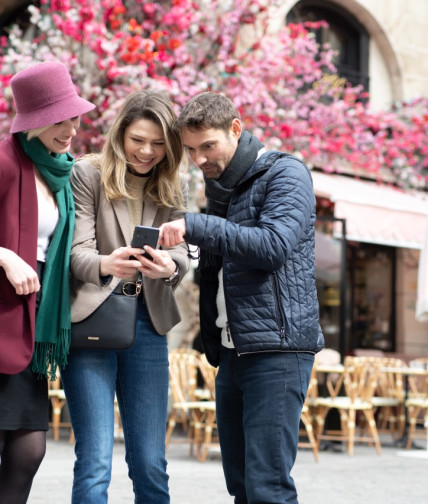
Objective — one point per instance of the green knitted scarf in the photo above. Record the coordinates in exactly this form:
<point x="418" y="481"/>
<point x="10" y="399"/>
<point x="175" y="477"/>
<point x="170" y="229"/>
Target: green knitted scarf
<point x="53" y="319"/>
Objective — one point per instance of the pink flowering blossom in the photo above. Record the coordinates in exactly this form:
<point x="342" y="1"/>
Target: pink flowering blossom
<point x="284" y="85"/>
<point x="59" y="6"/>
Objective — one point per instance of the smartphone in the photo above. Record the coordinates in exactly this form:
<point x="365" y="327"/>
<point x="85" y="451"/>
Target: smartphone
<point x="145" y="235"/>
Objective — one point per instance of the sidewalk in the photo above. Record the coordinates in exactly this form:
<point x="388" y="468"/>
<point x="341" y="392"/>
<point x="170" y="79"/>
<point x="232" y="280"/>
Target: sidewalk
<point x="395" y="477"/>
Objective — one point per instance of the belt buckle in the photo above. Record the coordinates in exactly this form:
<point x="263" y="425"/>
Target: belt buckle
<point x="136" y="287"/>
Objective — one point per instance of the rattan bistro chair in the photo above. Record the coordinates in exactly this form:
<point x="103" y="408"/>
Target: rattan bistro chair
<point x="417" y="402"/>
<point x="389" y="397"/>
<point x="360" y="382"/>
<point x="191" y="407"/>
<point x="307" y="416"/>
<point x="417" y="406"/>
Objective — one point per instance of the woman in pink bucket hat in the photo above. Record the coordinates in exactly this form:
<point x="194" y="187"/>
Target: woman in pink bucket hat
<point x="37" y="210"/>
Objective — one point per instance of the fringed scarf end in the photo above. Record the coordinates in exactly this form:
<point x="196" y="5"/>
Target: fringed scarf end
<point x="49" y="357"/>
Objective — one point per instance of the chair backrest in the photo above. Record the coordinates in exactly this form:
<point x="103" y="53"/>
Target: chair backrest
<point x="183" y="373"/>
<point x="312" y="392"/>
<point x="209" y="374"/>
<point x="419" y="384"/>
<point x="360" y="378"/>
<point x="391" y="383"/>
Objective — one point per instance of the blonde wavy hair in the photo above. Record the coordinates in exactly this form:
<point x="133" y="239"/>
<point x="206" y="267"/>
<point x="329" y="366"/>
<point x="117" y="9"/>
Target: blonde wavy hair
<point x="36" y="132"/>
<point x="163" y="185"/>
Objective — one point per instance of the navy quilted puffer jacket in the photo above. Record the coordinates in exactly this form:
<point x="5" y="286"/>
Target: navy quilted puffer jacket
<point x="267" y="245"/>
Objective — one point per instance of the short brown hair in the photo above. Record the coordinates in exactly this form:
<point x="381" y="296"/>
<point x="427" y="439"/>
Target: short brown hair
<point x="205" y="111"/>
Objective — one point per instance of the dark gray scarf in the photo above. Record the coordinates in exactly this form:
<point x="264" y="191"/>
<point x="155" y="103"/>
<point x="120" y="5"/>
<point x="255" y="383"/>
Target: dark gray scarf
<point x="219" y="192"/>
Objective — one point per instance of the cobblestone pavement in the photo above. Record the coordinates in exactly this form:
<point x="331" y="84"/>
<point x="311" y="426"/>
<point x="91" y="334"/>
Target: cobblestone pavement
<point x="395" y="477"/>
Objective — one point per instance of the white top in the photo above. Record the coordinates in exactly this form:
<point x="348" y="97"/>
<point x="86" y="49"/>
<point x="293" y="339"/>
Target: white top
<point x="48" y="218"/>
<point x="221" y="320"/>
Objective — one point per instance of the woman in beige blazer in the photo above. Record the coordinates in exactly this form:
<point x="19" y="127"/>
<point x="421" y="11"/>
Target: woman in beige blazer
<point x="134" y="181"/>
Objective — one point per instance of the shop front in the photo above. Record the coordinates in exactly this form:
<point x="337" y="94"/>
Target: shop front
<point x="365" y="234"/>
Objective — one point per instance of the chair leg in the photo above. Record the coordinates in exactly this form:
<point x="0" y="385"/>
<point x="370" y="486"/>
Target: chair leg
<point x="209" y="421"/>
<point x="171" y="425"/>
<point x="198" y="438"/>
<point x="372" y="425"/>
<point x="56" y="418"/>
<point x="413" y="415"/>
<point x="57" y="407"/>
<point x="319" y="424"/>
<point x="401" y="414"/>
<point x="392" y="418"/>
<point x="192" y="435"/>
<point x="351" y="430"/>
<point x="306" y="419"/>
<point x="310" y="433"/>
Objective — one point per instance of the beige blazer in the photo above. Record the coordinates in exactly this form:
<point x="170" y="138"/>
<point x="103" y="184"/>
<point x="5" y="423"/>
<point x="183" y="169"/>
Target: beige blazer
<point x="101" y="227"/>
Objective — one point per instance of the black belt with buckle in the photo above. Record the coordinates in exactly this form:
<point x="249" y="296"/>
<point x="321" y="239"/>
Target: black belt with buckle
<point x="129" y="288"/>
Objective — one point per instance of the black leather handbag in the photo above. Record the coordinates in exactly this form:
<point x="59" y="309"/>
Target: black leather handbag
<point x="112" y="324"/>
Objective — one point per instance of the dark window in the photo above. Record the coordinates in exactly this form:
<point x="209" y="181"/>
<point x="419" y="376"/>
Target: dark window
<point x="345" y="34"/>
<point x="15" y="12"/>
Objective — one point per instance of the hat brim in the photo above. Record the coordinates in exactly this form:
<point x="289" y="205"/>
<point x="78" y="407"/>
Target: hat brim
<point x="54" y="113"/>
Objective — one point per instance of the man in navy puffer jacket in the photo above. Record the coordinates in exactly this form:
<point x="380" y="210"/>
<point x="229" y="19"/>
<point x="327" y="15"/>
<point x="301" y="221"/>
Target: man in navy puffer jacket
<point x="258" y="301"/>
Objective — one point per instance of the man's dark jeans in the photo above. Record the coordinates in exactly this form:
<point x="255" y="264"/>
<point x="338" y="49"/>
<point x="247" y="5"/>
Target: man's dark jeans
<point x="259" y="401"/>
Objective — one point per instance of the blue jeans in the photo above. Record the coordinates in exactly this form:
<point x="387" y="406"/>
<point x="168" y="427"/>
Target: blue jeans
<point x="259" y="402"/>
<point x="139" y="376"/>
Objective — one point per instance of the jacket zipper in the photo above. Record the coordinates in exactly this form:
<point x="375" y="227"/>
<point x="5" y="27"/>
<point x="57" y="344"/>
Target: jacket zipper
<point x="278" y="307"/>
<point x="229" y="336"/>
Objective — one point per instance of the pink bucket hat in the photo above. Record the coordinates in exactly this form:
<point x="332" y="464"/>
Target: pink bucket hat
<point x="44" y="94"/>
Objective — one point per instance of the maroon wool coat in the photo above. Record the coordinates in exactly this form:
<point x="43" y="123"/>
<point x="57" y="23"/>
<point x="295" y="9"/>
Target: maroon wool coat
<point x="18" y="232"/>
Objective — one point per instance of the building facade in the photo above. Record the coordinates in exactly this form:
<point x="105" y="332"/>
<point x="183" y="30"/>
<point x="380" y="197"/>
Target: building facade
<point x="367" y="278"/>
<point x="368" y="238"/>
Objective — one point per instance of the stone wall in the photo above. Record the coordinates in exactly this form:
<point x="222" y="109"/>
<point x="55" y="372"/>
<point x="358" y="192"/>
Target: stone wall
<point x="398" y="63"/>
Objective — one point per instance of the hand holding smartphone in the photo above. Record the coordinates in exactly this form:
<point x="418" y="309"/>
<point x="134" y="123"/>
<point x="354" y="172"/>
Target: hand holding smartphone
<point x="145" y="235"/>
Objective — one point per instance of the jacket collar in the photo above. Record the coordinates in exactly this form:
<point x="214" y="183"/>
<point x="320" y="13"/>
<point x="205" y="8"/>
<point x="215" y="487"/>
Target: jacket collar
<point x="264" y="161"/>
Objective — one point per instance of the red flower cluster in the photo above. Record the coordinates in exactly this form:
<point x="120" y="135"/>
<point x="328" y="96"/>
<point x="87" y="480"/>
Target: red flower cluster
<point x="284" y="85"/>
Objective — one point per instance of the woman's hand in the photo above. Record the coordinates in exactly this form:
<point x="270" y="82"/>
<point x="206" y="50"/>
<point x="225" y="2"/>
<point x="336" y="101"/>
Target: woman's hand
<point x="20" y="274"/>
<point x="122" y="262"/>
<point x="162" y="265"/>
